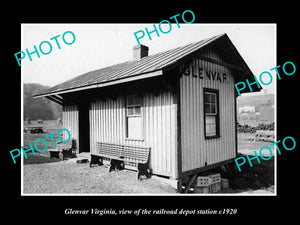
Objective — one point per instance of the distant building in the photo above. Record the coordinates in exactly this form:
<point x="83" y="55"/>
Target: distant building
<point x="246" y="109"/>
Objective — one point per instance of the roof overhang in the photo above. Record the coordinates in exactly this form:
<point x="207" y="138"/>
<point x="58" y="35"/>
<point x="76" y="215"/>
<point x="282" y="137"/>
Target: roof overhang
<point x="55" y="98"/>
<point x="104" y="84"/>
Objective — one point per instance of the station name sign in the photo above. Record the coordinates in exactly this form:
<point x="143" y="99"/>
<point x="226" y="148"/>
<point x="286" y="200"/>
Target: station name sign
<point x="205" y="74"/>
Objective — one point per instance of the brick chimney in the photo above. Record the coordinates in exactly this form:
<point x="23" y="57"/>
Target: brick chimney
<point x="140" y="51"/>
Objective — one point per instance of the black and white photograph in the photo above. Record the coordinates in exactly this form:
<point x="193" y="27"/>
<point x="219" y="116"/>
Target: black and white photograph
<point x="137" y="112"/>
<point x="165" y="109"/>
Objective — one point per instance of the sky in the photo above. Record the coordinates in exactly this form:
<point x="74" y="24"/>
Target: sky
<point x="100" y="45"/>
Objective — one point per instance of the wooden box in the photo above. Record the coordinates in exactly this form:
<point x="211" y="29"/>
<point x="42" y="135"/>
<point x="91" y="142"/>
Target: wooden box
<point x="224" y="183"/>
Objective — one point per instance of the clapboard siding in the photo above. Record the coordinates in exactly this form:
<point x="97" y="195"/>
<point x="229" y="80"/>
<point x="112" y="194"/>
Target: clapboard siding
<point x="108" y="124"/>
<point x="196" y="151"/>
<point x="70" y="121"/>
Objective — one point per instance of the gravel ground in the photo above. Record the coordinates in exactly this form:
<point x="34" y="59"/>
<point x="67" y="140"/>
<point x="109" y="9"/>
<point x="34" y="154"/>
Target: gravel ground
<point x="43" y="175"/>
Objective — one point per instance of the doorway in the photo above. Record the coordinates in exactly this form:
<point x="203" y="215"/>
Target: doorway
<point x="84" y="127"/>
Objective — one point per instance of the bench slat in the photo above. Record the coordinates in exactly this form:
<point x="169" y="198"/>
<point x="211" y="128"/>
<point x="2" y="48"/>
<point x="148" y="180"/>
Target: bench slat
<point x="123" y="145"/>
<point x="136" y="154"/>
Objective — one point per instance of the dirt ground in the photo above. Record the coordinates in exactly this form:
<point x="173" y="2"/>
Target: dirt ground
<point x="42" y="175"/>
<point x="54" y="176"/>
<point x="246" y="145"/>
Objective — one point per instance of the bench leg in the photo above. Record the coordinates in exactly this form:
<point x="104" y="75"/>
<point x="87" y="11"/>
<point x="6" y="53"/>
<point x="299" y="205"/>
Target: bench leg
<point x="96" y="160"/>
<point x="121" y="165"/>
<point x="142" y="170"/>
<point x="54" y="154"/>
<point x="68" y="153"/>
<point x="116" y="164"/>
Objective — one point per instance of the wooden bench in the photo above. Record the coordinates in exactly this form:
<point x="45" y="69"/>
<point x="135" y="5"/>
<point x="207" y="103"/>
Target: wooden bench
<point x="33" y="129"/>
<point x="68" y="149"/>
<point x="54" y="153"/>
<point x="118" y="154"/>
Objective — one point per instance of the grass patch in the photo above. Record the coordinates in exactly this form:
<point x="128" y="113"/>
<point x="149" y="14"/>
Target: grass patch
<point x="260" y="175"/>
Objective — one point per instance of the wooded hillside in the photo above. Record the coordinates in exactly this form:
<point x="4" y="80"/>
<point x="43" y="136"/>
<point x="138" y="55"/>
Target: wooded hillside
<point x="39" y="108"/>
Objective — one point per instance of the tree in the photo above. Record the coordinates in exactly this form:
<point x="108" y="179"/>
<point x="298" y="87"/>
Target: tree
<point x="39" y="108"/>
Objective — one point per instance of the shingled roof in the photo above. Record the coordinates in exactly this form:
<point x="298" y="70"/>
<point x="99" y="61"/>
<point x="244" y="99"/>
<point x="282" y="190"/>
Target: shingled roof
<point x="149" y="66"/>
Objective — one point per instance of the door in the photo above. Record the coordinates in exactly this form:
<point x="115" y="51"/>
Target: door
<point x="84" y="127"/>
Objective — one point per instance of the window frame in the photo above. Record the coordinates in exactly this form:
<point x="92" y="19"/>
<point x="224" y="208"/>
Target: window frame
<point x="141" y="138"/>
<point x="216" y="114"/>
<point x="133" y="106"/>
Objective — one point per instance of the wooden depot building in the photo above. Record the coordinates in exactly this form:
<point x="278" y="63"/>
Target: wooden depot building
<point x="181" y="104"/>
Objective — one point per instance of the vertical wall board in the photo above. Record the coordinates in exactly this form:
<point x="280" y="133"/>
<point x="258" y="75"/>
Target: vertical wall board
<point x="108" y="124"/>
<point x="196" y="151"/>
<point x="70" y="121"/>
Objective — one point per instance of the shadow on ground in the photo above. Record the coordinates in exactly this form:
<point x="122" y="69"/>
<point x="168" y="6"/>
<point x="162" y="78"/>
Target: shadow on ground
<point x="40" y="158"/>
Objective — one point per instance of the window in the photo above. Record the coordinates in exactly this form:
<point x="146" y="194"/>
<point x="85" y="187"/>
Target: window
<point x="134" y="116"/>
<point x="211" y="113"/>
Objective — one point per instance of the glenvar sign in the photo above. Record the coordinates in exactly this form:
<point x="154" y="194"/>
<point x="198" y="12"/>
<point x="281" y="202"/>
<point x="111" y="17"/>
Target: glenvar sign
<point x="206" y="74"/>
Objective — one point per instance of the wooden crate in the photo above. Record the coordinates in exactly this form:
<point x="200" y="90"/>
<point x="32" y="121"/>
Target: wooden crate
<point x="212" y="188"/>
<point x="224" y="183"/>
<point x="216" y="187"/>
<point x="202" y="189"/>
<point x="208" y="180"/>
